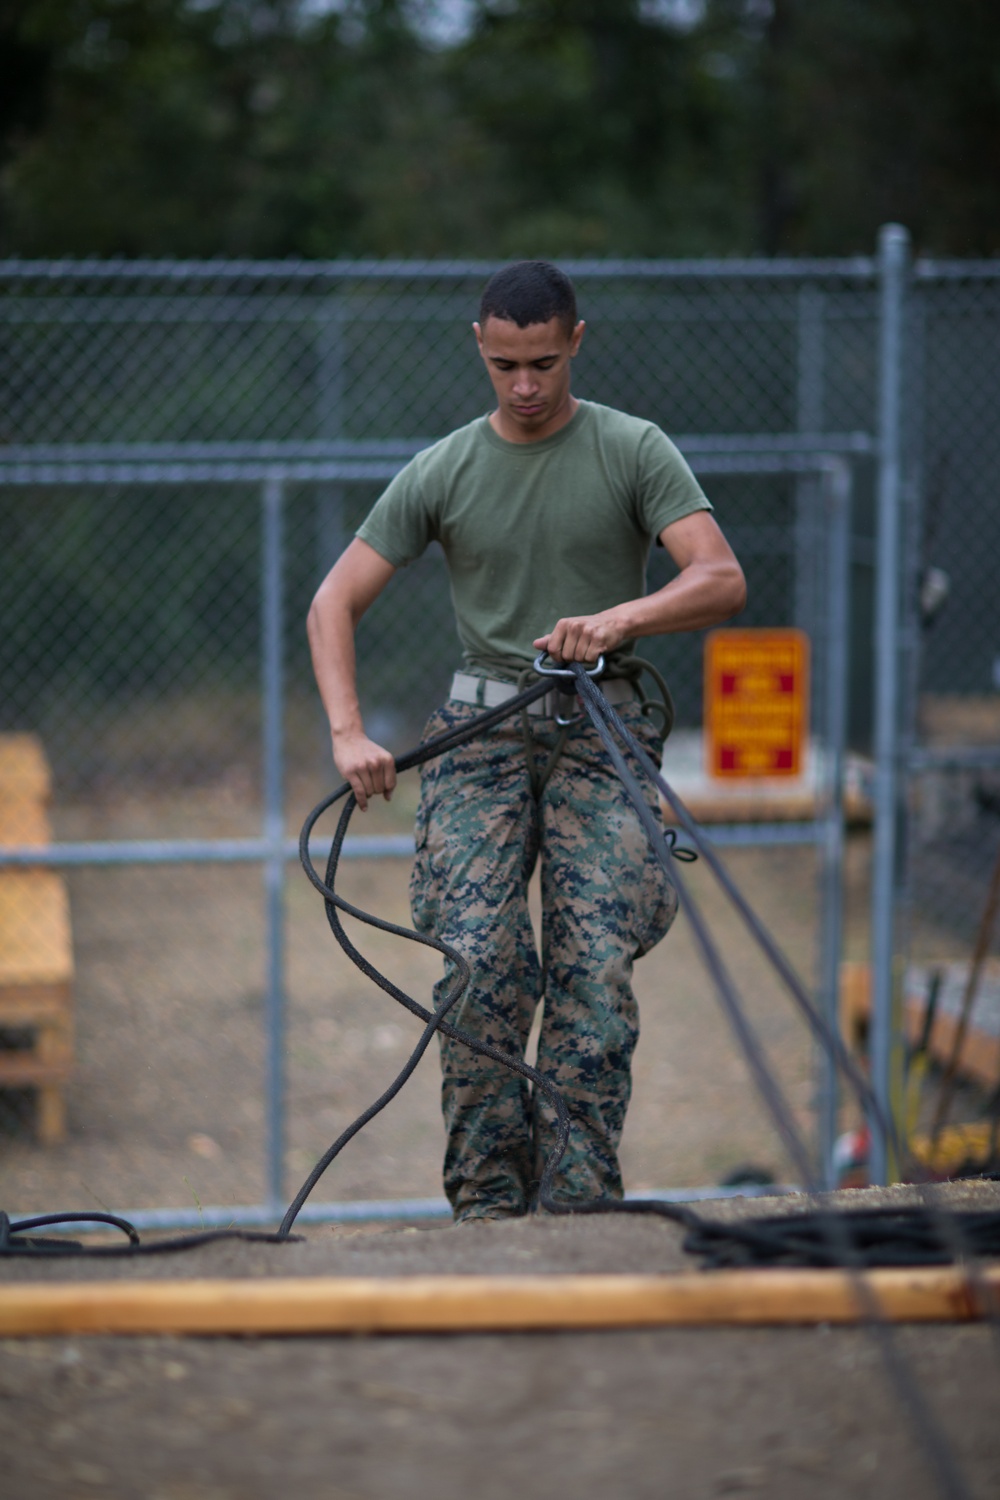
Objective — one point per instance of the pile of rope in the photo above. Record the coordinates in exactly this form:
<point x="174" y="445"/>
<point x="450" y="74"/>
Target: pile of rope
<point x="911" y="1236"/>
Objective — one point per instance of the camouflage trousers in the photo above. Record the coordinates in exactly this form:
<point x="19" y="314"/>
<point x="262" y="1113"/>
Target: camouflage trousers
<point x="605" y="900"/>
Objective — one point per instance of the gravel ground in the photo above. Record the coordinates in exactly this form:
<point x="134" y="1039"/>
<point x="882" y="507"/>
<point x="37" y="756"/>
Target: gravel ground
<point x="783" y="1412"/>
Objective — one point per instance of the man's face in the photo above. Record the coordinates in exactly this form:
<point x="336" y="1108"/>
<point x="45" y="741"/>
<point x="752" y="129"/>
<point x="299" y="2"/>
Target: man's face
<point x="530" y="371"/>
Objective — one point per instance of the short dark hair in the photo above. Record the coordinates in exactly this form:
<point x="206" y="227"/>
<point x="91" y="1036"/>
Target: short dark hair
<point x="529" y="291"/>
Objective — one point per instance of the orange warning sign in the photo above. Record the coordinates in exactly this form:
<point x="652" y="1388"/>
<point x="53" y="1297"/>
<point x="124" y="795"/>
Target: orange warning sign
<point x="756" y="702"/>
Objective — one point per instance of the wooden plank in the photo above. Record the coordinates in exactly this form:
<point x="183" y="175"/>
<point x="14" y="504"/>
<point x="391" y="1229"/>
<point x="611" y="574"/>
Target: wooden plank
<point x="24" y="769"/>
<point x="765" y="804"/>
<point x="425" y="1304"/>
<point x="20" y="1070"/>
<point x="30" y="1005"/>
<point x="759" y="806"/>
<point x="23" y="821"/>
<point x="855" y="1001"/>
<point x="35" y="942"/>
<point x="979" y="1057"/>
<point x="36" y="952"/>
<point x="50" y="1121"/>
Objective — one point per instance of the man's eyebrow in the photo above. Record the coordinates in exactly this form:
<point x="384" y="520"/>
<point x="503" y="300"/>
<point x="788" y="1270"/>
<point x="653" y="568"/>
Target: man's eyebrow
<point x="505" y="359"/>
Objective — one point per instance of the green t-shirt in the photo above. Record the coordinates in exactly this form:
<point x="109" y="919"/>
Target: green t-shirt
<point x="533" y="532"/>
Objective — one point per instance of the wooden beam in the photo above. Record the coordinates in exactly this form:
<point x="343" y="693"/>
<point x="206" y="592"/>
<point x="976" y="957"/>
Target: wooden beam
<point x="425" y="1304"/>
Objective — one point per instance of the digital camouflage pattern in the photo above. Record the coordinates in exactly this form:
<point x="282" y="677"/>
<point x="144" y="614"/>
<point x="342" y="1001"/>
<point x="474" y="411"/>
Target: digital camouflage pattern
<point x="605" y="900"/>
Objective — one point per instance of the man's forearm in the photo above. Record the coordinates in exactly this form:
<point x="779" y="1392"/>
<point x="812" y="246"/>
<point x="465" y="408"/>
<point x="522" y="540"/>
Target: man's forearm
<point x="330" y="628"/>
<point x="702" y="594"/>
<point x="342" y="598"/>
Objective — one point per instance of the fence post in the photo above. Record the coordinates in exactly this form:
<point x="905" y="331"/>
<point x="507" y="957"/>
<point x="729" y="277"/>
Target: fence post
<point x="893" y="268"/>
<point x="329" y="424"/>
<point x="272" y="686"/>
<point x="836" y="494"/>
<point x="810" y="360"/>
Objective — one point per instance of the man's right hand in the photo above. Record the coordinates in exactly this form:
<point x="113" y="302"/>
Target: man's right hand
<point x="370" y="770"/>
<point x="357" y="577"/>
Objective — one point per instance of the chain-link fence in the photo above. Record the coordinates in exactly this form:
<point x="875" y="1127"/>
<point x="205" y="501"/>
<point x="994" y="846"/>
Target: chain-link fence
<point x="950" y="703"/>
<point x="159" y="422"/>
<point x="954" y="712"/>
<point x="376" y="361"/>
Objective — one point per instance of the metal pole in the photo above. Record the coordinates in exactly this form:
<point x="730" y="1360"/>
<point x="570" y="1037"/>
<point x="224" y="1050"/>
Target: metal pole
<point x="809" y="419"/>
<point x="329" y="427"/>
<point x="272" y="690"/>
<point x="893" y="262"/>
<point x="329" y="505"/>
<point x="837" y="496"/>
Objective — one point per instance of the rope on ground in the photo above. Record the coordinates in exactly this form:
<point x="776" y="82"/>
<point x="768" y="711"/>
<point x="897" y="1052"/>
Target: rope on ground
<point x="879" y="1236"/>
<point x="16" y="1238"/>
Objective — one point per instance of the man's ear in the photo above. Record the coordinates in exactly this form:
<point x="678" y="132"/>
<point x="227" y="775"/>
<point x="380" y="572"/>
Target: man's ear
<point x="576" y="338"/>
<point x="479" y="338"/>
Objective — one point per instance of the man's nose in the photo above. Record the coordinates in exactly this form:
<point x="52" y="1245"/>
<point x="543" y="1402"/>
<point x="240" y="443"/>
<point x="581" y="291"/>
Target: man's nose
<point x="525" y="380"/>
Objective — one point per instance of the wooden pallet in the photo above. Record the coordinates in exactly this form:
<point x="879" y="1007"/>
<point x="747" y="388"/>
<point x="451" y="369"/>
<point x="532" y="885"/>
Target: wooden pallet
<point x="36" y="950"/>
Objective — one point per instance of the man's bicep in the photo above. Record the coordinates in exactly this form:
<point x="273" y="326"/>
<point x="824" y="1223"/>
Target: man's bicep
<point x="358" y="576"/>
<point x="696" y="538"/>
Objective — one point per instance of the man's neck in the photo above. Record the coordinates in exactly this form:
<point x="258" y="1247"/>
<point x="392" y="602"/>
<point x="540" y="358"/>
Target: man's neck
<point x="513" y="433"/>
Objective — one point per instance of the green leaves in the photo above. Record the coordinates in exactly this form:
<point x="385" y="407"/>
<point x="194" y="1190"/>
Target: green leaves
<point x="555" y="127"/>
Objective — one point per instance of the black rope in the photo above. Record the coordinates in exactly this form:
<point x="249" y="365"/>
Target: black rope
<point x="852" y="1241"/>
<point x="880" y="1237"/>
<point x="16" y="1239"/>
<point x="827" y="1036"/>
<point x="664" y="845"/>
<point x="835" y="1231"/>
<point x="435" y="1021"/>
<point x="771" y="1241"/>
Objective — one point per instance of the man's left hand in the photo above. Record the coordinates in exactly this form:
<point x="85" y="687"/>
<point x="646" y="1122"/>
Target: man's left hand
<point x="583" y="637"/>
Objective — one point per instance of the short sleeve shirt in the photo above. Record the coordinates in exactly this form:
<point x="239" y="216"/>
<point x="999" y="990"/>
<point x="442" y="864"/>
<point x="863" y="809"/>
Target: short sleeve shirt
<point x="534" y="532"/>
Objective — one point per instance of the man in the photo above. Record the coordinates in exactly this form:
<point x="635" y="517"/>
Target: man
<point x="545" y="509"/>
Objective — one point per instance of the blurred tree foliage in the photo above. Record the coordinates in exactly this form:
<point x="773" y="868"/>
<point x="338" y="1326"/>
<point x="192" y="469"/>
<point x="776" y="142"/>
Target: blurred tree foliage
<point x="297" y="127"/>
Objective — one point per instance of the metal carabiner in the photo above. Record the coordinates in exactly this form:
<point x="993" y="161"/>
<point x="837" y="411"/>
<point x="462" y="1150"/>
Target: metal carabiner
<point x="594" y="671"/>
<point x="565" y="672"/>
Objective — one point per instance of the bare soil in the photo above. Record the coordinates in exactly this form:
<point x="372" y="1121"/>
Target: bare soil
<point x="791" y="1412"/>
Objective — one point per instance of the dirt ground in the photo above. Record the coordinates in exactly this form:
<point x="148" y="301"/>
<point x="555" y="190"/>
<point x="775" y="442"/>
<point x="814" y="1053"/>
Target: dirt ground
<point x="685" y="1413"/>
<point x="165" y="1103"/>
